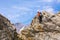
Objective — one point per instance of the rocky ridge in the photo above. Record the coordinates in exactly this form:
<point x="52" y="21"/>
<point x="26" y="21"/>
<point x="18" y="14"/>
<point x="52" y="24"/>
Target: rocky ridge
<point x="7" y="30"/>
<point x="49" y="29"/>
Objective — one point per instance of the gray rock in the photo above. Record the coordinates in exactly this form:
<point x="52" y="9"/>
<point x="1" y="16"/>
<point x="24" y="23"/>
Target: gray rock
<point x="49" y="29"/>
<point x="7" y="30"/>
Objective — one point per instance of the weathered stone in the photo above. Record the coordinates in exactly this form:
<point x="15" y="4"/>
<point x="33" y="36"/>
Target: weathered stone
<point x="48" y="29"/>
<point x="7" y="30"/>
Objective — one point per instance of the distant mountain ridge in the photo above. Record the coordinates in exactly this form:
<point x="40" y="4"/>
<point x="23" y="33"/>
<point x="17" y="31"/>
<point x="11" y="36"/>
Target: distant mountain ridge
<point x="19" y="26"/>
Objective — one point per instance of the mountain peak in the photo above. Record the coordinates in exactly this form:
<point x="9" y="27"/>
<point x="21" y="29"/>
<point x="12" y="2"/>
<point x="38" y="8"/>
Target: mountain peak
<point x="44" y="30"/>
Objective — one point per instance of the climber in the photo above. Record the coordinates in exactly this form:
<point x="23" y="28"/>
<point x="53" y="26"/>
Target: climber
<point x="39" y="16"/>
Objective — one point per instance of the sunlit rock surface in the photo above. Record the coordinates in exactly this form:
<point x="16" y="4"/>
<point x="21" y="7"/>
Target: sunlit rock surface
<point x="7" y="30"/>
<point x="48" y="29"/>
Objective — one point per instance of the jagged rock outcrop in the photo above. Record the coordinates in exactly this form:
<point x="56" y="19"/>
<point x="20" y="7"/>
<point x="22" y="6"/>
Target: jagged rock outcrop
<point x="7" y="30"/>
<point x="48" y="29"/>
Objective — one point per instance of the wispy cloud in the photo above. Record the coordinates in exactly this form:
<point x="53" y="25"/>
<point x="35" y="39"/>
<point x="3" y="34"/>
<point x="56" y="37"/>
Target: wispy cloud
<point x="24" y="10"/>
<point x="21" y="8"/>
<point x="58" y="1"/>
<point x="45" y="0"/>
<point x="49" y="9"/>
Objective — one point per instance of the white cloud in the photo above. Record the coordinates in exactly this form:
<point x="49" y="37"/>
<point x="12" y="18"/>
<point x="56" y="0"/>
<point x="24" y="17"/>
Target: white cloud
<point x="20" y="13"/>
<point x="48" y="0"/>
<point x="45" y="0"/>
<point x="49" y="9"/>
<point x="58" y="1"/>
<point x="21" y="8"/>
<point x="13" y="16"/>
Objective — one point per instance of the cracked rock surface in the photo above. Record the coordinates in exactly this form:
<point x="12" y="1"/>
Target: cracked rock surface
<point x="48" y="29"/>
<point x="7" y="30"/>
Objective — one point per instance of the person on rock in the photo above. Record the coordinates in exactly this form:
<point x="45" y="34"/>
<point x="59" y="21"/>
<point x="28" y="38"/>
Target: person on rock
<point x="39" y="16"/>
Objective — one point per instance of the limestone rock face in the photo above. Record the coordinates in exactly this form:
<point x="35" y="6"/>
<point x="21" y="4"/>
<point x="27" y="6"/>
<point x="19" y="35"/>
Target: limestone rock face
<point x="48" y="29"/>
<point x="7" y="30"/>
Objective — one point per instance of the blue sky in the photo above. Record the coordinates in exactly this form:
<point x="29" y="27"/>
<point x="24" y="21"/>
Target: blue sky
<point x="23" y="11"/>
